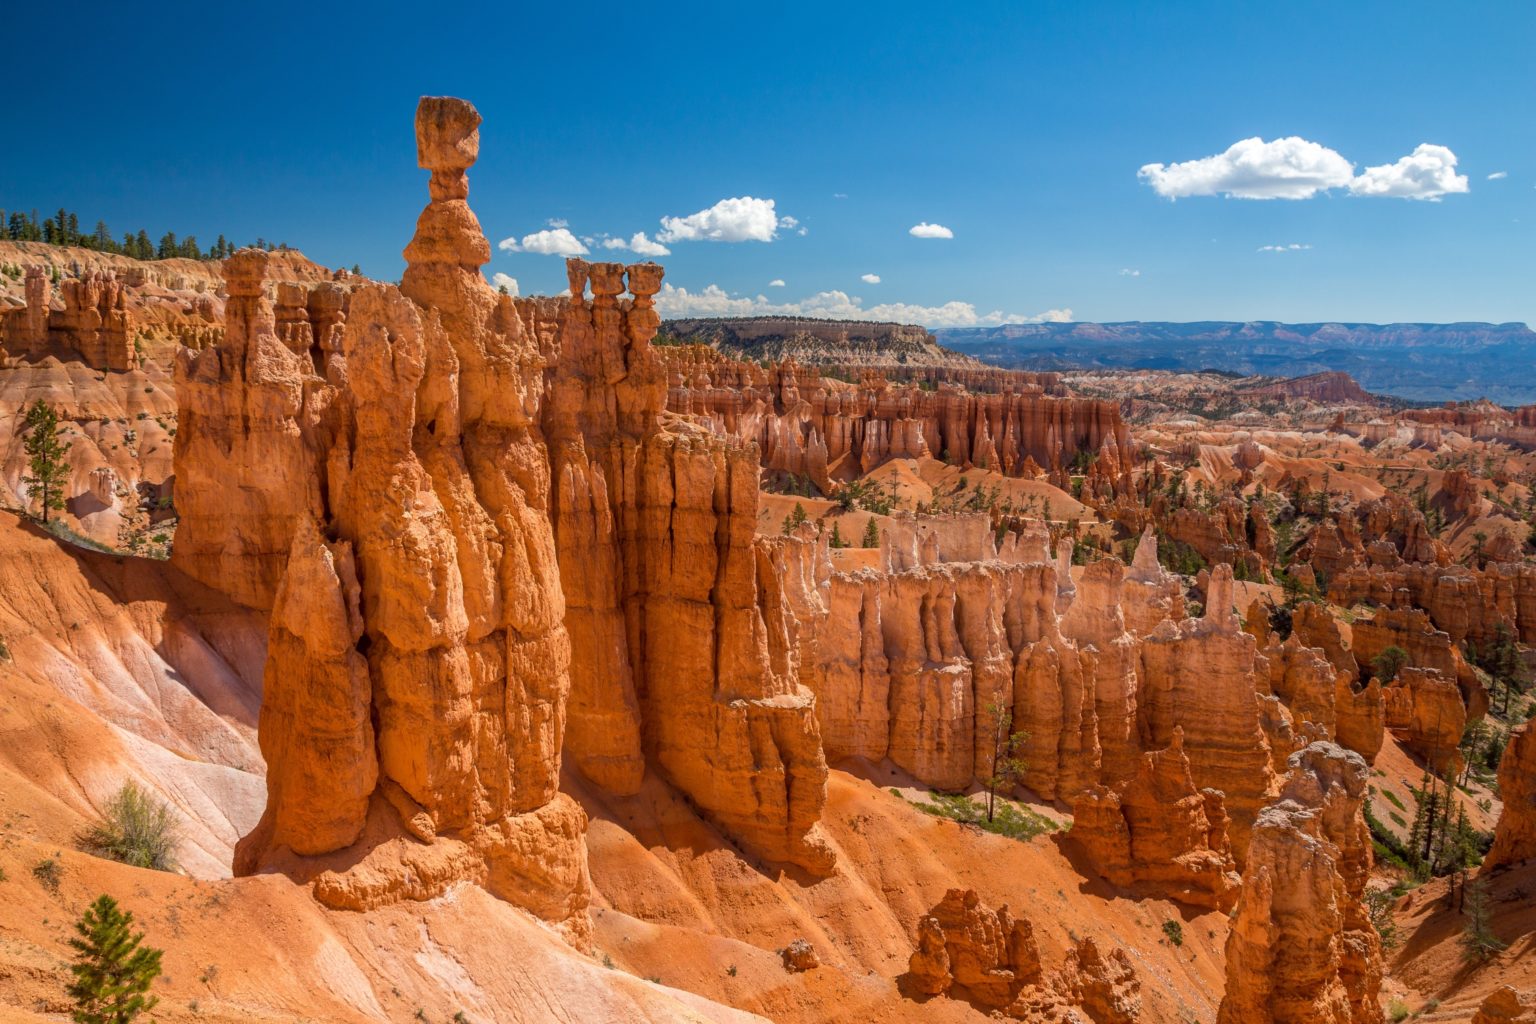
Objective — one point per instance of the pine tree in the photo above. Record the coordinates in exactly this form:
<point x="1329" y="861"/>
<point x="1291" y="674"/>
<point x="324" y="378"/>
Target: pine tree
<point x="141" y="247"/>
<point x="871" y="534"/>
<point x="837" y="538"/>
<point x="1421" y="836"/>
<point x="220" y="248"/>
<point x="113" y="972"/>
<point x="45" y="454"/>
<point x="1478" y="940"/>
<point x="167" y="247"/>
<point x="1006" y="766"/>
<point x="794" y="519"/>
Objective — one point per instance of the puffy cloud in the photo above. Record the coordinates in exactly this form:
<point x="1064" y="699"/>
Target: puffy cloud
<point x="1496" y="175"/>
<point x="1288" y="168"/>
<point x="713" y="300"/>
<point x="1128" y="272"/>
<point x="777" y="282"/>
<point x="743" y="219"/>
<point x="558" y="222"/>
<point x="1429" y="172"/>
<point x="870" y="278"/>
<point x="926" y="230"/>
<point x="788" y="222"/>
<point x="505" y="281"/>
<point x="1293" y="247"/>
<point x="1294" y="168"/>
<point x="638" y="243"/>
<point x="549" y="242"/>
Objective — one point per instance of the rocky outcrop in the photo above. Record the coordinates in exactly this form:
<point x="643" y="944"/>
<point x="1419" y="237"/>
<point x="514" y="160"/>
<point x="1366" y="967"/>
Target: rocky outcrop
<point x="1514" y="839"/>
<point x="254" y="427"/>
<point x="1103" y="986"/>
<point x="1465" y="603"/>
<point x="682" y="643"/>
<point x="393" y="515"/>
<point x="1199" y="675"/>
<point x="989" y="955"/>
<point x="1423" y="709"/>
<point x="828" y="431"/>
<point x="1506" y="1005"/>
<point x="1410" y="630"/>
<point x="1160" y="834"/>
<point x="1302" y="948"/>
<point x="93" y="322"/>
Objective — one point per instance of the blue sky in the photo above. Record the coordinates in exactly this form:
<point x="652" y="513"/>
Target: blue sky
<point x="1019" y="127"/>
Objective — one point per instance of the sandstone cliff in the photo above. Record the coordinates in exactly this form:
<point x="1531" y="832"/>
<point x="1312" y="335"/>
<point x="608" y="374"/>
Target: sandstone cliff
<point x="1302" y="948"/>
<point x="393" y="515"/>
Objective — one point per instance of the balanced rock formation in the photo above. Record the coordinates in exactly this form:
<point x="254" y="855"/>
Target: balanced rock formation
<point x="393" y="515"/>
<point x="1159" y="834"/>
<point x="1302" y="948"/>
<point x="1514" y="839"/>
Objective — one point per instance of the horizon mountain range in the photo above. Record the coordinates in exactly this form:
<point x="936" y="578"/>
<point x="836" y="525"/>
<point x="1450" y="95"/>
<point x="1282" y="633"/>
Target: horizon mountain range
<point x="1422" y="362"/>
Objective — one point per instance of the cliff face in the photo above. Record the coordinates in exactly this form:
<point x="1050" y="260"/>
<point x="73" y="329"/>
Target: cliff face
<point x="1302" y="948"/>
<point x="393" y="516"/>
<point x="682" y="650"/>
<point x="824" y="429"/>
<point x="1515" y="838"/>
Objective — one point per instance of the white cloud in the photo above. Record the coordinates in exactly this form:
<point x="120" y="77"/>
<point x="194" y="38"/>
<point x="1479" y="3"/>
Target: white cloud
<point x="743" y="219"/>
<point x="839" y="195"/>
<point x="1293" y="247"/>
<point x="1288" y="168"/>
<point x="926" y="230"/>
<point x="505" y="281"/>
<point x="870" y="278"/>
<point x="638" y="243"/>
<point x="549" y="242"/>
<point x="713" y="300"/>
<point x="777" y="282"/>
<point x="1294" y="168"/>
<point x="787" y="222"/>
<point x="1496" y="175"/>
<point x="1128" y="272"/>
<point x="1429" y="172"/>
<point x="558" y="222"/>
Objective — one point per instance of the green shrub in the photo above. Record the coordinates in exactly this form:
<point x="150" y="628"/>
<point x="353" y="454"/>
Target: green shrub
<point x="137" y="828"/>
<point x="1175" y="932"/>
<point x="1007" y="820"/>
<point x="48" y="872"/>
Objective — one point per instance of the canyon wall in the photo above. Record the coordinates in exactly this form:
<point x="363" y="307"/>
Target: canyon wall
<point x="827" y="430"/>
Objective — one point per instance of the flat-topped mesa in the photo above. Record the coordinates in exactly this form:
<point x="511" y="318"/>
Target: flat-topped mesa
<point x="680" y="638"/>
<point x="393" y="515"/>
